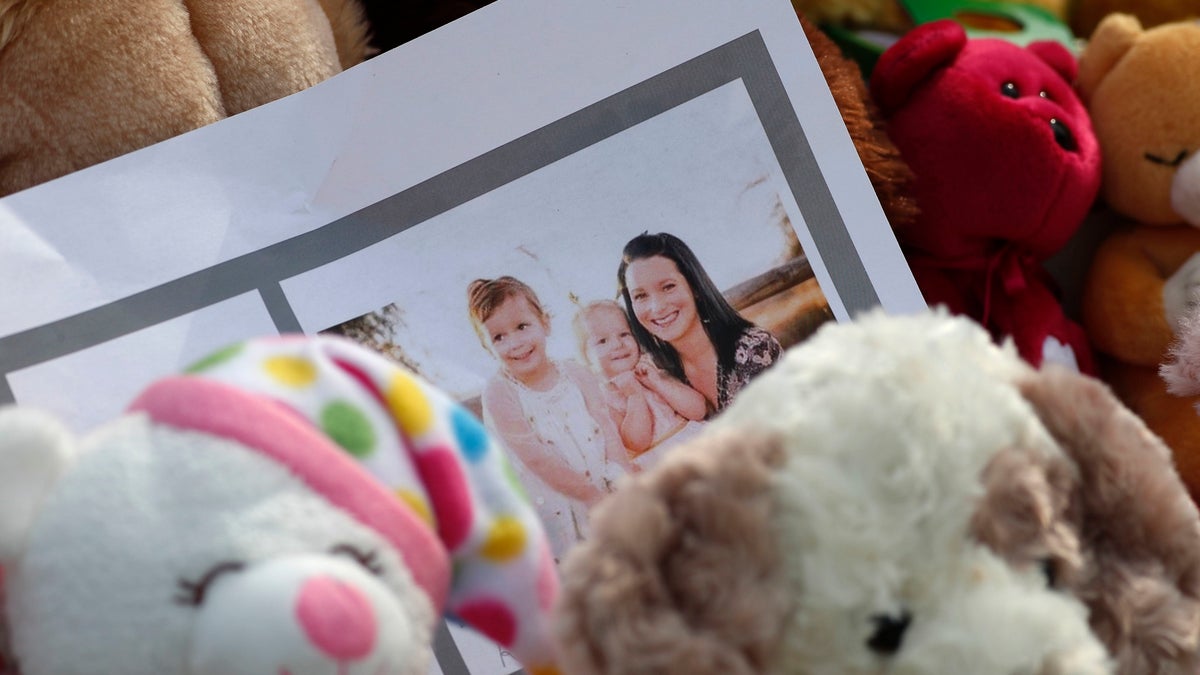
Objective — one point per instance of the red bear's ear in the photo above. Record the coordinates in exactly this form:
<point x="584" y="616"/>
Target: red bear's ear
<point x="1058" y="56"/>
<point x="913" y="58"/>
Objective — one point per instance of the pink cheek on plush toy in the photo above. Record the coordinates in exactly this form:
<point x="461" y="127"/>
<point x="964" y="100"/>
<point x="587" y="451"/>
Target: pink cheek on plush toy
<point x="337" y="618"/>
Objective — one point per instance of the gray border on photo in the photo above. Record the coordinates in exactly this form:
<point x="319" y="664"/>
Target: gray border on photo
<point x="745" y="58"/>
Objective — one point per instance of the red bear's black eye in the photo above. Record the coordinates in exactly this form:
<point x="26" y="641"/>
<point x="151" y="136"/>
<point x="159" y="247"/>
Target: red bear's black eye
<point x="1010" y="90"/>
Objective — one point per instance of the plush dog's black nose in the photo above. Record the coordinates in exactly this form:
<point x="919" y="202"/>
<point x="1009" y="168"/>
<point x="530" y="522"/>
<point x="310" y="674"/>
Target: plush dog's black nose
<point x="889" y="632"/>
<point x="1063" y="135"/>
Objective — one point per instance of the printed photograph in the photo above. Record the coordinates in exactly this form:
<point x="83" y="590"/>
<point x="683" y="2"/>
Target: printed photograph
<point x="601" y="310"/>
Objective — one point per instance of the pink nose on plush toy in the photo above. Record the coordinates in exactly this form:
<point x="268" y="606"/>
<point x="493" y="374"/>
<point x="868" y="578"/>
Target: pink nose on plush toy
<point x="337" y="618"/>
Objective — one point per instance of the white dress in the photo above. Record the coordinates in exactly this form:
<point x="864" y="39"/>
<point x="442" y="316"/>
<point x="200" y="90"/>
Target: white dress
<point x="561" y="421"/>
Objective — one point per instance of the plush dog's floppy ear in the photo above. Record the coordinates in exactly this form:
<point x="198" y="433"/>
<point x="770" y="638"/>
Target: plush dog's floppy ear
<point x="681" y="573"/>
<point x="34" y="450"/>
<point x="1139" y="529"/>
<point x="912" y="59"/>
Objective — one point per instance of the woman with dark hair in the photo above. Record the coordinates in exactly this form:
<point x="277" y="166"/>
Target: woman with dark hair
<point x="680" y="317"/>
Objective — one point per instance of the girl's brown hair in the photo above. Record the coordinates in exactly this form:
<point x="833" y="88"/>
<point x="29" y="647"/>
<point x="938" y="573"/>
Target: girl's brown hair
<point x="484" y="297"/>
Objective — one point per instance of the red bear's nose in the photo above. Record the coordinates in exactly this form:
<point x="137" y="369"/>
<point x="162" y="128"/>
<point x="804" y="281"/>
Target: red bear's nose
<point x="1063" y="135"/>
<point x="337" y="618"/>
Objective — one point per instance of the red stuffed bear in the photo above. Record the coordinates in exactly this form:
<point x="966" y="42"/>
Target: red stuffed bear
<point x="1006" y="168"/>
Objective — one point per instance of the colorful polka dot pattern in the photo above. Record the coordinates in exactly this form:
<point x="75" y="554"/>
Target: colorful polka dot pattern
<point x="435" y="457"/>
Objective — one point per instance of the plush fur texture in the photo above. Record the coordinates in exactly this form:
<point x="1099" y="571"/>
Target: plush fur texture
<point x="13" y="14"/>
<point x="82" y="81"/>
<point x="964" y="112"/>
<point x="1140" y="88"/>
<point x="136" y="486"/>
<point x="890" y="176"/>
<point x="1138" y="530"/>
<point x="1086" y="15"/>
<point x="39" y="451"/>
<point x="1135" y="83"/>
<point x="1181" y="370"/>
<point x="897" y="495"/>
<point x="885" y="15"/>
<point x="683" y="572"/>
<point x="292" y="505"/>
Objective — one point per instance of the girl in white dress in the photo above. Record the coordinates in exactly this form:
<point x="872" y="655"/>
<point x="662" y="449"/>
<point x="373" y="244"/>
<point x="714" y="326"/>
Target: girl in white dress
<point x="550" y="414"/>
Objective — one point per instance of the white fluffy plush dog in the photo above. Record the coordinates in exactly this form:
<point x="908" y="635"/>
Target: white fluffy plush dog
<point x="898" y="495"/>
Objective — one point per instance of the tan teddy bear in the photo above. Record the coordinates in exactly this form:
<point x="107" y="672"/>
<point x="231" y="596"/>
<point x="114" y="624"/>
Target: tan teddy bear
<point x="82" y="81"/>
<point x="1086" y="15"/>
<point x="1141" y="89"/>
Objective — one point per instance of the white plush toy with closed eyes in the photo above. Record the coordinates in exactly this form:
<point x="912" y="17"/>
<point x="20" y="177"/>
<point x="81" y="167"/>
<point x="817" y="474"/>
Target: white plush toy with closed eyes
<point x="293" y="506"/>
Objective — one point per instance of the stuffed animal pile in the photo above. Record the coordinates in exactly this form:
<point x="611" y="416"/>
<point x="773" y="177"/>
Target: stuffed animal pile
<point x="1006" y="167"/>
<point x="292" y="506"/>
<point x="899" y="495"/>
<point x="85" y="81"/>
<point x="1142" y="94"/>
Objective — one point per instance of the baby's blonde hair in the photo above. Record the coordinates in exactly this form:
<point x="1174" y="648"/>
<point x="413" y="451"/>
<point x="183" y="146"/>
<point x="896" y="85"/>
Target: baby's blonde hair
<point x="581" y="332"/>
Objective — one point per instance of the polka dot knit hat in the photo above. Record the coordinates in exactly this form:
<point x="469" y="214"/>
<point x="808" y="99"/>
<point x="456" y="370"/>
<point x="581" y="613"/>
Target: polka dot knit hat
<point x="435" y="484"/>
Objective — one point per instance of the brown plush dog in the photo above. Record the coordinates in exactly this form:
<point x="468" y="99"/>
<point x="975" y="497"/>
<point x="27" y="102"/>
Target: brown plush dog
<point x="897" y="495"/>
<point x="890" y="176"/>
<point x="82" y="81"/>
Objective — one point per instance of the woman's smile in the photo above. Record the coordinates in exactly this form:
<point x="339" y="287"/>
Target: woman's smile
<point x="662" y="299"/>
<point x="663" y="322"/>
